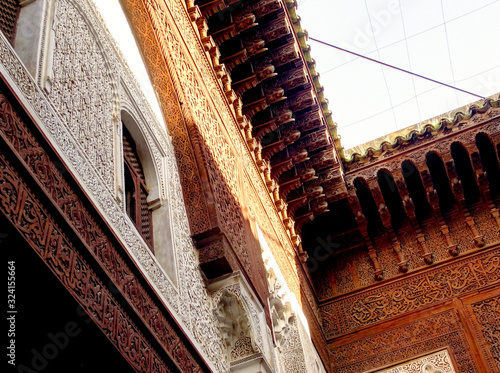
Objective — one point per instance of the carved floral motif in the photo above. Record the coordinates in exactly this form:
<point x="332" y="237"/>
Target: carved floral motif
<point x="412" y="293"/>
<point x="413" y="339"/>
<point x="84" y="88"/>
<point x="487" y="314"/>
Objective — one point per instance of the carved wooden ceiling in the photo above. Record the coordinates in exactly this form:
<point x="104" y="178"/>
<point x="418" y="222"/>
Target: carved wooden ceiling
<point x="276" y="95"/>
<point x="272" y="83"/>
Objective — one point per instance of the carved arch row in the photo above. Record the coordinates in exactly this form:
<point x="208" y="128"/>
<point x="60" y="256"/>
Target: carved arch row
<point x="437" y="186"/>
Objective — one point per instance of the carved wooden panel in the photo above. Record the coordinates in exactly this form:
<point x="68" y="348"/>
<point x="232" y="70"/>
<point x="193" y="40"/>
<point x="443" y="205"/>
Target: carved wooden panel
<point x="413" y="292"/>
<point x="411" y="337"/>
<point x="437" y="362"/>
<point x="46" y="235"/>
<point x="483" y="311"/>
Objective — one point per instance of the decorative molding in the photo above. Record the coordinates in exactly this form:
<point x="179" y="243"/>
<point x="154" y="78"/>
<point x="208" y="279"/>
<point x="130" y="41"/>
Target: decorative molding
<point x="437" y="362"/>
<point x="414" y="337"/>
<point x="411" y="293"/>
<point x="199" y="320"/>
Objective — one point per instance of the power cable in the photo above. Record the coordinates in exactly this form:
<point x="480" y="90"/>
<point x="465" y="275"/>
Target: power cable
<point x="395" y="67"/>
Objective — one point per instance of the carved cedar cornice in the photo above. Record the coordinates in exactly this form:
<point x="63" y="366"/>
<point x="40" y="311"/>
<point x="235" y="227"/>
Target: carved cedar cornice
<point x="463" y="119"/>
<point x="229" y="122"/>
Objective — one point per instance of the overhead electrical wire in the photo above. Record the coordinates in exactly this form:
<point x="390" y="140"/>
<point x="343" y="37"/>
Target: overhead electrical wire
<point x="394" y="67"/>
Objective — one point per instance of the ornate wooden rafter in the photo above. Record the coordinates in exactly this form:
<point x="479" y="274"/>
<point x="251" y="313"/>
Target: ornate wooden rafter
<point x="278" y="105"/>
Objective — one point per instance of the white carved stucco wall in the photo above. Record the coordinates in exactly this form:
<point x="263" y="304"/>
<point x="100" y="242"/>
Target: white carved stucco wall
<point x="295" y="352"/>
<point x="437" y="362"/>
<point x="50" y="104"/>
<point x="80" y="87"/>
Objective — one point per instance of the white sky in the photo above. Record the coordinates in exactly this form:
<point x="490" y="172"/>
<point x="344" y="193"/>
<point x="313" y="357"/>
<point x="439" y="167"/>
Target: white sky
<point x="453" y="41"/>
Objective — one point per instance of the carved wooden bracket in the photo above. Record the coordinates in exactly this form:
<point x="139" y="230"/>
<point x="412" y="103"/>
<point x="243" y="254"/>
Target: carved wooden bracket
<point x="216" y="255"/>
<point x="379" y="272"/>
<point x="402" y="262"/>
<point x="452" y="247"/>
<point x="478" y="238"/>
<point x="426" y="253"/>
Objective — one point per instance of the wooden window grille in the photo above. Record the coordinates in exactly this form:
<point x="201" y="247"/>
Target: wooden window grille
<point x="136" y="192"/>
<point x="9" y="11"/>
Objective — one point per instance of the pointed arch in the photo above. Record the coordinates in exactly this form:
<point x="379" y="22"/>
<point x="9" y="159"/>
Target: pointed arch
<point x="440" y="181"/>
<point x="368" y="205"/>
<point x="391" y="196"/>
<point x="465" y="172"/>
<point x="416" y="189"/>
<point x="489" y="161"/>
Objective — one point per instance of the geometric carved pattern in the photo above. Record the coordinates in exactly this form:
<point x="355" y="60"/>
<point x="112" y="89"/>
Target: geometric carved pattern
<point x="413" y="339"/>
<point x="438" y="362"/>
<point x="487" y="314"/>
<point x="414" y="292"/>
<point x="82" y="88"/>
<point x="18" y="202"/>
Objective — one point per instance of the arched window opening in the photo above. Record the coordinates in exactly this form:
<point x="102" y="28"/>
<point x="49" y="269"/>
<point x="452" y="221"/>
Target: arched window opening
<point x="440" y="181"/>
<point x="416" y="190"/>
<point x="391" y="197"/>
<point x="489" y="162"/>
<point x="136" y="192"/>
<point x="368" y="206"/>
<point x="465" y="173"/>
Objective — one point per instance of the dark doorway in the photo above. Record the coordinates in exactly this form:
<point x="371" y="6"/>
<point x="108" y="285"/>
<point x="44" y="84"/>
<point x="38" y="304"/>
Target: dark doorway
<point x="52" y="334"/>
